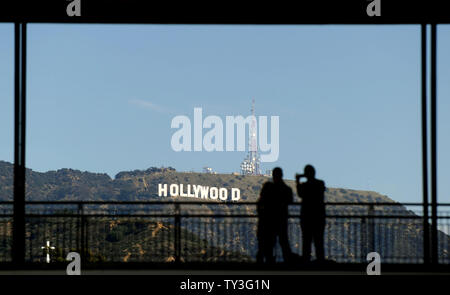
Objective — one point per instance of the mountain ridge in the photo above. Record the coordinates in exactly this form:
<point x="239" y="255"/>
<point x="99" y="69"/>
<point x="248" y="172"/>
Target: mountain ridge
<point x="72" y="184"/>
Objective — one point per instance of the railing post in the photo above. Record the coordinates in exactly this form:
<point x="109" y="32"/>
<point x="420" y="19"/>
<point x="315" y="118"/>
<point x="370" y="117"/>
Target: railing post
<point x="82" y="231"/>
<point x="371" y="229"/>
<point x="177" y="240"/>
<point x="363" y="239"/>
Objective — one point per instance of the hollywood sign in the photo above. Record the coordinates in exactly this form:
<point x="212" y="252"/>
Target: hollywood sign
<point x="198" y="191"/>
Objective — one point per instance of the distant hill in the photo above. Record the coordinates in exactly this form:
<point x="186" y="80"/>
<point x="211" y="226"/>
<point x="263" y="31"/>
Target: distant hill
<point x="69" y="184"/>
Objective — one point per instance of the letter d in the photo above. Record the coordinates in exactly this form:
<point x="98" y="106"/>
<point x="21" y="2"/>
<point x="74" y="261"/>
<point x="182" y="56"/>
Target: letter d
<point x="235" y="194"/>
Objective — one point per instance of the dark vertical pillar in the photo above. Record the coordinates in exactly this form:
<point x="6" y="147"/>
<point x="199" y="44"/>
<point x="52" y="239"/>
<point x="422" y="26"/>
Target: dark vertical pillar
<point x="18" y="247"/>
<point x="426" y="227"/>
<point x="371" y="229"/>
<point x="434" y="232"/>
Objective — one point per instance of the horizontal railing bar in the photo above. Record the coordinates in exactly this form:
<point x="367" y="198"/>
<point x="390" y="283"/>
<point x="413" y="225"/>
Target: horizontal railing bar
<point x="226" y="216"/>
<point x="206" y="203"/>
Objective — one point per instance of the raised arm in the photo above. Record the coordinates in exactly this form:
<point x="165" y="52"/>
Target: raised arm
<point x="262" y="198"/>
<point x="298" y="185"/>
<point x="299" y="191"/>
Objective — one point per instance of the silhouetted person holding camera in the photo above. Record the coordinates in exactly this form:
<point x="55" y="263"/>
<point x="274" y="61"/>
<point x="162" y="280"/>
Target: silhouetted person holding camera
<point x="272" y="209"/>
<point x="311" y="193"/>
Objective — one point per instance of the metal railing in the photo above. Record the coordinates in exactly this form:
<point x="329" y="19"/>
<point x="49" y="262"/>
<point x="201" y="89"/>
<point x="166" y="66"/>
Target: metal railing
<point x="213" y="232"/>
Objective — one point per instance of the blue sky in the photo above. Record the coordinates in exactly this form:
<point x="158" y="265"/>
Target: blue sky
<point x="101" y="98"/>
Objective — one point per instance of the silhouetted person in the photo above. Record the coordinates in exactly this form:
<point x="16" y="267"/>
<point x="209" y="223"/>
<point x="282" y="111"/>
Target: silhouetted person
<point x="272" y="209"/>
<point x="311" y="193"/>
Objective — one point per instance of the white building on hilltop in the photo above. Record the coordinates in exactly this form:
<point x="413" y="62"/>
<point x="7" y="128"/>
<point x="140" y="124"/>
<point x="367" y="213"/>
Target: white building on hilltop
<point x="208" y="170"/>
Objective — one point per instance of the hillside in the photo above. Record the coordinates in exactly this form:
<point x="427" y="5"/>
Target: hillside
<point x="69" y="184"/>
